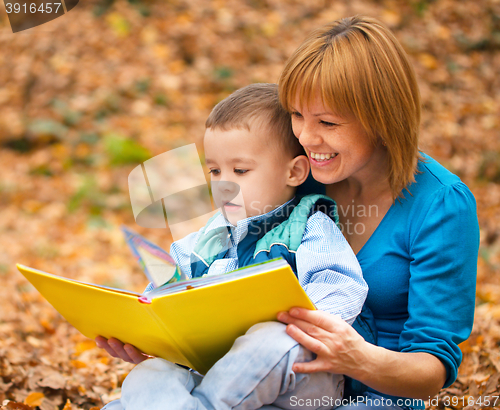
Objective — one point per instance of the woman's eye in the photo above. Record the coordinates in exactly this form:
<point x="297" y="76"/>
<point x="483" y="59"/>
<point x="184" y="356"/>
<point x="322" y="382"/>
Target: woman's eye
<point x="214" y="171"/>
<point x="328" y="124"/>
<point x="296" y="114"/>
<point x="240" y="171"/>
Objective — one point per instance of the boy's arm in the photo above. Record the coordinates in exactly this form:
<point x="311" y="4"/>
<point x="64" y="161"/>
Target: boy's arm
<point x="328" y="269"/>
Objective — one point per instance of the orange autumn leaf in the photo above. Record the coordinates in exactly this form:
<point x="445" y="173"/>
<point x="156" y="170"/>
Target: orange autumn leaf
<point x="68" y="406"/>
<point x="78" y="364"/>
<point x="428" y="61"/>
<point x="61" y="203"/>
<point x="104" y="360"/>
<point x="34" y="399"/>
<point x="83" y="346"/>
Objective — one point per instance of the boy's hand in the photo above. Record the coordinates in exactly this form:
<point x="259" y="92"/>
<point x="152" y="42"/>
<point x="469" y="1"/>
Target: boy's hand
<point x="118" y="349"/>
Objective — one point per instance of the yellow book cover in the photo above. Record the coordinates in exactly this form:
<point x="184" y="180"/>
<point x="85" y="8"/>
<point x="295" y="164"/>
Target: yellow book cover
<point x="193" y="322"/>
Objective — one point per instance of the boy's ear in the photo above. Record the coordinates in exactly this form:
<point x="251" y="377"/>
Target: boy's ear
<point x="298" y="170"/>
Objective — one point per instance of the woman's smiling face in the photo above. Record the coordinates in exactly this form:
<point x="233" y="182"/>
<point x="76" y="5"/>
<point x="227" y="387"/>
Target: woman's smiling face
<point x="337" y="146"/>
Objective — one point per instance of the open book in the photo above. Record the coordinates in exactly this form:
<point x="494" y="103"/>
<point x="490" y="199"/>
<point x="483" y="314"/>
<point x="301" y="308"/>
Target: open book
<point x="191" y="322"/>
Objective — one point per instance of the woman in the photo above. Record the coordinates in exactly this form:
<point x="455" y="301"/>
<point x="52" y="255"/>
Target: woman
<point x="355" y="109"/>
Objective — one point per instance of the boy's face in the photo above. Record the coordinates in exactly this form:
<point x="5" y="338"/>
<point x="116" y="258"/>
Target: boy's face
<point x="250" y="161"/>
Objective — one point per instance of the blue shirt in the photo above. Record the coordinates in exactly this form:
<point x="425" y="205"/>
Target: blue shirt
<point x="420" y="265"/>
<point x="327" y="268"/>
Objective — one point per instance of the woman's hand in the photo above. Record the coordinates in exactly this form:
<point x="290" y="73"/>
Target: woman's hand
<point x="118" y="349"/>
<point x="339" y="348"/>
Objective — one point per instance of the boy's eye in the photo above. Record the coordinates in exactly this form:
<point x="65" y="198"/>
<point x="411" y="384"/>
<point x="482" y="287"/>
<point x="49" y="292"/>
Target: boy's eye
<point x="240" y="171"/>
<point x="214" y="171"/>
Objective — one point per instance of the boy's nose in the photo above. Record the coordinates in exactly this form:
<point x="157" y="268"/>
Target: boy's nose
<point x="227" y="186"/>
<point x="224" y="192"/>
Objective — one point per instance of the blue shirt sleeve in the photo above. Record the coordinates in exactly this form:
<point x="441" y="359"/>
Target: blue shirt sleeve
<point x="444" y="243"/>
<point x="328" y="269"/>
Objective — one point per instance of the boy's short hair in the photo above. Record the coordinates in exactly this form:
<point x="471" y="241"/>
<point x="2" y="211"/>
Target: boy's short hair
<point x="361" y="69"/>
<point x="256" y="101"/>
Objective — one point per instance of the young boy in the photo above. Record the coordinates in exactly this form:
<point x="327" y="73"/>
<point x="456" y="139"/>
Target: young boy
<point x="256" y="164"/>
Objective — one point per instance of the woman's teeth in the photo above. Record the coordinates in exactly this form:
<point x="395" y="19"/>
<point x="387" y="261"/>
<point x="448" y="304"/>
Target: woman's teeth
<point x="322" y="157"/>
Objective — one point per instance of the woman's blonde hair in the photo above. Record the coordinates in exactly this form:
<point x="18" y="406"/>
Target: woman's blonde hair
<point x="361" y="69"/>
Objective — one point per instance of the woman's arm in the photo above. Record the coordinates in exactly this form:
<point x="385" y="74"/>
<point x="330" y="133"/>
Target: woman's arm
<point x="443" y="244"/>
<point x="340" y="349"/>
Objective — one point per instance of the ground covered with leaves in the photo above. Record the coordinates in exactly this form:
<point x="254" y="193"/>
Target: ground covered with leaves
<point x="87" y="97"/>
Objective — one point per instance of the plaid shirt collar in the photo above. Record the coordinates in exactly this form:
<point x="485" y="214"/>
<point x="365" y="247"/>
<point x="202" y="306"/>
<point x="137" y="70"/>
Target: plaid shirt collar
<point x="239" y="231"/>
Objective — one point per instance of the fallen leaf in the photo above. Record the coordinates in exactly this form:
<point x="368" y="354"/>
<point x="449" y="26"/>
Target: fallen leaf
<point x="34" y="399"/>
<point x="18" y="406"/>
<point x="491" y="385"/>
<point x="51" y="404"/>
<point x="473" y="390"/>
<point x="54" y="381"/>
<point x="78" y="364"/>
<point x="4" y="386"/>
<point x="84" y="346"/>
<point x="428" y="61"/>
<point x="68" y="405"/>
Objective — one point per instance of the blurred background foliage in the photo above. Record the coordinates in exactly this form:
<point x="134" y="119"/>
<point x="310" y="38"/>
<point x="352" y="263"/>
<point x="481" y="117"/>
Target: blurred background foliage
<point x="89" y="96"/>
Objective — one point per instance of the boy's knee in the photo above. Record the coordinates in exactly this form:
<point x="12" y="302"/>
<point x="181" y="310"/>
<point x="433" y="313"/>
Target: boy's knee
<point x="267" y="341"/>
<point x="154" y="365"/>
<point x="268" y="328"/>
<point x="272" y="333"/>
<point x="156" y="371"/>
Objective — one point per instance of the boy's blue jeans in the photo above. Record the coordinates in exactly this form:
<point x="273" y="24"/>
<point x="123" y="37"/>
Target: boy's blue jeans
<point x="256" y="372"/>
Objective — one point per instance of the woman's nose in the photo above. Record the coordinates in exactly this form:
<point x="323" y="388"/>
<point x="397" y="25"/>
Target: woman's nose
<point x="308" y="136"/>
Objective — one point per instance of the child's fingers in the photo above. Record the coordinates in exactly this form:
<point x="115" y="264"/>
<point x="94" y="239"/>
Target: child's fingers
<point x="103" y="344"/>
<point x="101" y="341"/>
<point x="136" y="355"/>
<point x="117" y="346"/>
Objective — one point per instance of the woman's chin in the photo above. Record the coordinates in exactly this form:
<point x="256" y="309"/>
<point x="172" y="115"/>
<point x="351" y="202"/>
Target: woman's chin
<point x="323" y="176"/>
